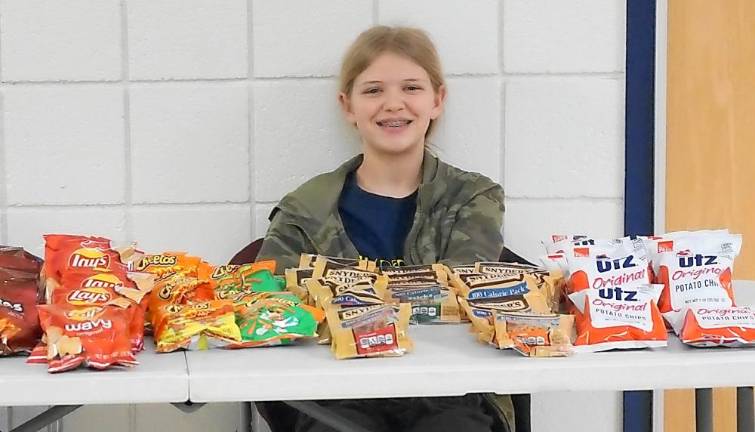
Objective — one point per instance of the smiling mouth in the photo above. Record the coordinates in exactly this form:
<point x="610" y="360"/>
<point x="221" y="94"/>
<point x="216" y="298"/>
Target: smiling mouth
<point x="393" y="123"/>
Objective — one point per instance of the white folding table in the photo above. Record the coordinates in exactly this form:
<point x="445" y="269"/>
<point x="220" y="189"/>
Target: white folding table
<point x="158" y="378"/>
<point x="446" y="361"/>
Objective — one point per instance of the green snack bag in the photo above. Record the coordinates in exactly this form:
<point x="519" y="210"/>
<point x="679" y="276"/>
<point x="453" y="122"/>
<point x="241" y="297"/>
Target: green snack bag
<point x="267" y="319"/>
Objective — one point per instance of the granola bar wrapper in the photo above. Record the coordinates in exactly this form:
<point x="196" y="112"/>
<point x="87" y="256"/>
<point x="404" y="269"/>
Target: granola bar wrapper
<point x="20" y="292"/>
<point x="534" y="335"/>
<point x="96" y="337"/>
<point x="196" y="326"/>
<point x="369" y="331"/>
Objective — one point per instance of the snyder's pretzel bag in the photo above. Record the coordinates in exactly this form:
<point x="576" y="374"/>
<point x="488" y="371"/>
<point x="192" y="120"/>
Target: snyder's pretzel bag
<point x="95" y="336"/>
<point x="369" y="331"/>
<point x="20" y="292"/>
<point x="618" y="318"/>
<point x="729" y="326"/>
<point x="534" y="335"/>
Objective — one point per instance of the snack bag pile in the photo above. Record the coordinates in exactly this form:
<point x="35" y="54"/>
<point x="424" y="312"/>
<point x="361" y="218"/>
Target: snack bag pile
<point x="95" y="311"/>
<point x="609" y="291"/>
<point x="511" y="306"/>
<point x="20" y="292"/>
<point x="362" y="321"/>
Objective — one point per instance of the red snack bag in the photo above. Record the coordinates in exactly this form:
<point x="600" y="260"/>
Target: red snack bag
<point x="83" y="288"/>
<point x="618" y="318"/>
<point x="19" y="294"/>
<point x="95" y="336"/>
<point x="731" y="327"/>
<point x="64" y="253"/>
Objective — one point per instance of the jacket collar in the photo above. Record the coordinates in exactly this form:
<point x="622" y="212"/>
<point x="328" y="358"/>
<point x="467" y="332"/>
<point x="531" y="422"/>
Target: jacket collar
<point x="314" y="205"/>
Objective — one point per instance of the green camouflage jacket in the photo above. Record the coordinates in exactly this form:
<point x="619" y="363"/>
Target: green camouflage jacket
<point x="458" y="218"/>
<point x="458" y="221"/>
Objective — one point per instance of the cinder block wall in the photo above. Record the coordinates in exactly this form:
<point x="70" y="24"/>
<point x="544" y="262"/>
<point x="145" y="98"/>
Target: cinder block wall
<point x="180" y="123"/>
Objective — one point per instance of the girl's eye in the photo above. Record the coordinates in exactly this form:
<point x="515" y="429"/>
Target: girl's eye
<point x="412" y="88"/>
<point x="373" y="90"/>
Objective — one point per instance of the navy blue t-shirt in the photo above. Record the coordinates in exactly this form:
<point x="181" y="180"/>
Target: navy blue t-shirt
<point x="377" y="225"/>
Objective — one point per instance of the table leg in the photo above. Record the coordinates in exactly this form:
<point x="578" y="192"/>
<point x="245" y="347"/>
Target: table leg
<point x="188" y="407"/>
<point x="246" y="417"/>
<point x="46" y="418"/>
<point x="704" y="409"/>
<point x="324" y="415"/>
<point x="745" y="410"/>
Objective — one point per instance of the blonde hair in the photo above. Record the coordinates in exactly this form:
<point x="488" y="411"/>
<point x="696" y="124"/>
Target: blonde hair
<point x="411" y="43"/>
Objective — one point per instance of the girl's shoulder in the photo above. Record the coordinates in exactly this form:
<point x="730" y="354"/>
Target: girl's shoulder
<point x="462" y="183"/>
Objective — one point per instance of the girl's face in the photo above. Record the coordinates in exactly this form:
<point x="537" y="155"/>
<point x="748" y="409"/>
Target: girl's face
<point x="392" y="103"/>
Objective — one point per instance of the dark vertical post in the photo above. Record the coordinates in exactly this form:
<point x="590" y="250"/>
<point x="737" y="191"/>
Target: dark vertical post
<point x="639" y="160"/>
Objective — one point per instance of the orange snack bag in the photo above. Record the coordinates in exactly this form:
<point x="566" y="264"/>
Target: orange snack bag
<point x="95" y="336"/>
<point x="167" y="264"/>
<point x="216" y="273"/>
<point x="618" y="318"/>
<point x="179" y="288"/>
<point x="730" y="326"/>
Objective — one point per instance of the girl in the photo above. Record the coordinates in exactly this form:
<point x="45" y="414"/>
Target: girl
<point x="395" y="203"/>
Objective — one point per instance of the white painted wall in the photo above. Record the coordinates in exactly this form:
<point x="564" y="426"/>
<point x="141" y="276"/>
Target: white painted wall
<point x="179" y="123"/>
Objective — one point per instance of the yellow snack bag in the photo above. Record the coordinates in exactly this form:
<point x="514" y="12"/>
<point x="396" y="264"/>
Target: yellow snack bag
<point x="296" y="283"/>
<point x="369" y="331"/>
<point x="195" y="326"/>
<point x="325" y="267"/>
<point x="535" y="335"/>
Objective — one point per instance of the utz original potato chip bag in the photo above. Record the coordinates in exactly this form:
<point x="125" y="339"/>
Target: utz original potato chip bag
<point x="727" y="326"/>
<point x="534" y="335"/>
<point x="20" y="292"/>
<point x="699" y="276"/>
<point x="198" y="325"/>
<point x="619" y="318"/>
<point x="95" y="336"/>
<point x="369" y="331"/>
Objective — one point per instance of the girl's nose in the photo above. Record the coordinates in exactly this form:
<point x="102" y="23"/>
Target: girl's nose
<point x="394" y="101"/>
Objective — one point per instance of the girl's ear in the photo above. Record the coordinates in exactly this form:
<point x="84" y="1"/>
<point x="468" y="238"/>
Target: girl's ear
<point x="343" y="100"/>
<point x="439" y="101"/>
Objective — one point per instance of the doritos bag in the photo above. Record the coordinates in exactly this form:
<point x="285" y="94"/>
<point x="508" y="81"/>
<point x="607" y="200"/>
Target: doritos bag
<point x="20" y="292"/>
